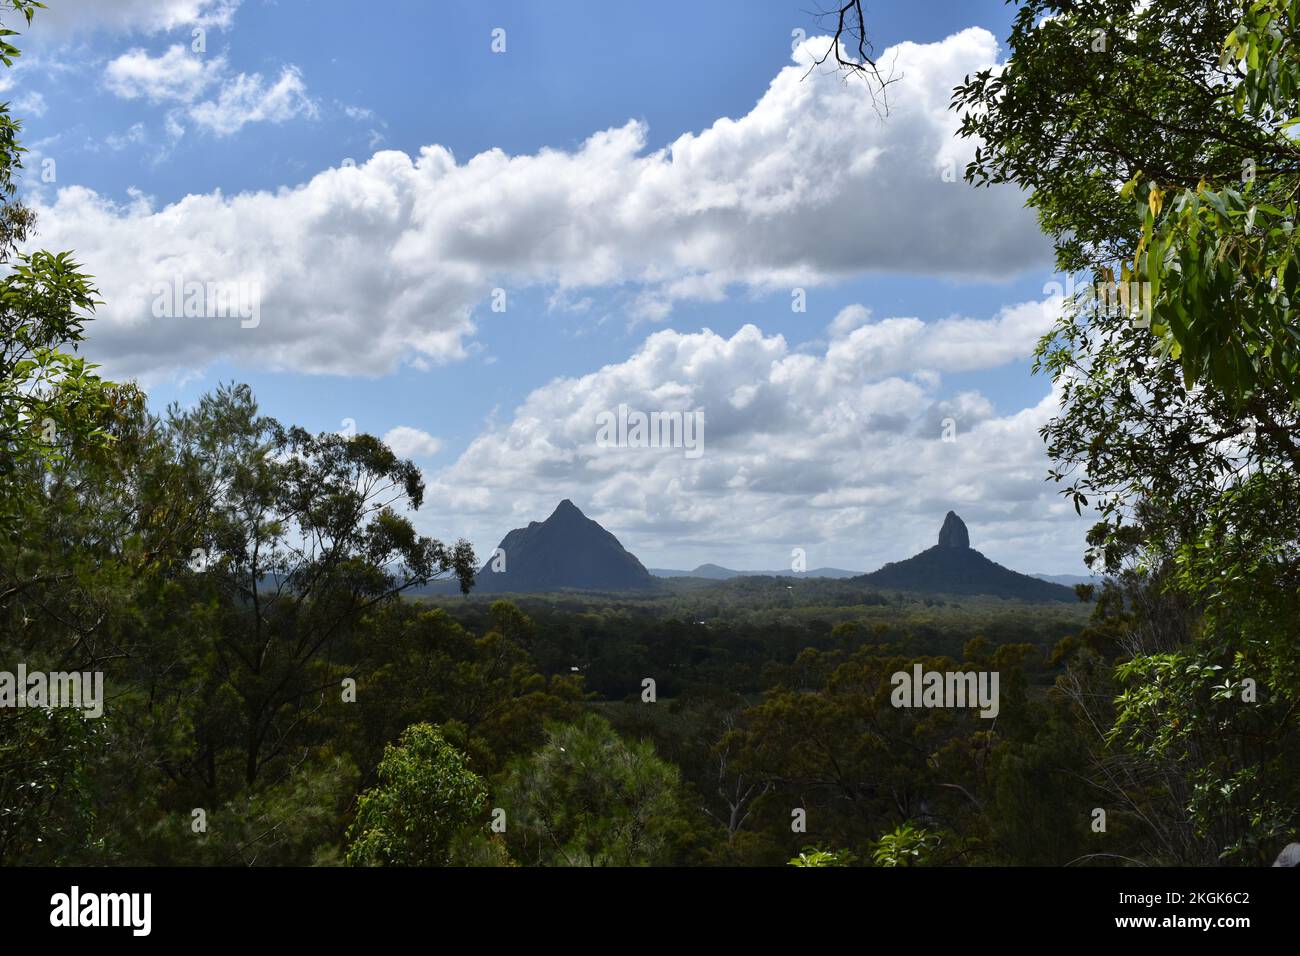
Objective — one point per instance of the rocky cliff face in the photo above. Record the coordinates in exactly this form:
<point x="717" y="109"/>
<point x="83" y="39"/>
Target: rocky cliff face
<point x="953" y="534"/>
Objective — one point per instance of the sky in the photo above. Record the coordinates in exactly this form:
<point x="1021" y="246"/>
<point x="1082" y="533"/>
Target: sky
<point x="474" y="228"/>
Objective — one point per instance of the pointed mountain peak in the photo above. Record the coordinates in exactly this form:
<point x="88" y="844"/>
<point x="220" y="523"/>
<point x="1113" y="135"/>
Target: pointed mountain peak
<point x="954" y="567"/>
<point x="566" y="509"/>
<point x="953" y="534"/>
<point x="567" y="550"/>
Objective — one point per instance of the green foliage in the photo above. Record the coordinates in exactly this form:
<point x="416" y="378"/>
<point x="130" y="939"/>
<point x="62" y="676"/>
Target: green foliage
<point x="16" y="220"/>
<point x="1040" y="797"/>
<point x="815" y="856"/>
<point x="1221" y="709"/>
<point x="905" y="845"/>
<point x="299" y="539"/>
<point x="590" y="798"/>
<point x="44" y="782"/>
<point x="224" y="669"/>
<point x="52" y="407"/>
<point x="292" y="821"/>
<point x="425" y="796"/>
<point x="1157" y="143"/>
<point x="831" y="741"/>
<point x="51" y="402"/>
<point x="25" y="9"/>
<point x="484" y="690"/>
<point x="708" y="641"/>
<point x="1222" y="256"/>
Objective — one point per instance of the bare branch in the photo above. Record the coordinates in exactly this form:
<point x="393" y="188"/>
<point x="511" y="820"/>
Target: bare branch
<point x="851" y="35"/>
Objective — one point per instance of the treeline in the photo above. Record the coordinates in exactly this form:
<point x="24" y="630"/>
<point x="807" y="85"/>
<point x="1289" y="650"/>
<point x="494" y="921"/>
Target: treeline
<point x="615" y="641"/>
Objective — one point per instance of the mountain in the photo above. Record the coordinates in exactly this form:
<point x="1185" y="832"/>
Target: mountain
<point x="567" y="550"/>
<point x="715" y="572"/>
<point x="953" y="567"/>
<point x="718" y="573"/>
<point x="1069" y="580"/>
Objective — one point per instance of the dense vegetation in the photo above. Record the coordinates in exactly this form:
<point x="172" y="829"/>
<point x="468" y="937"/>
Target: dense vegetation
<point x="277" y="695"/>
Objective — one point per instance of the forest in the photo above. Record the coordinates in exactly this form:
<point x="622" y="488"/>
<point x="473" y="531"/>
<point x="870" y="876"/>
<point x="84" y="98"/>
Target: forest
<point x="279" y="691"/>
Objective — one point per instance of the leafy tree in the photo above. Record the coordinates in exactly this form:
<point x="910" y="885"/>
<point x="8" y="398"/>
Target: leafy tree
<point x="15" y="218"/>
<point x="50" y="399"/>
<point x="221" y="569"/>
<point x="1121" y="121"/>
<point x="425" y="796"/>
<point x="53" y="408"/>
<point x="858" y="765"/>
<point x="51" y="402"/>
<point x="1157" y="141"/>
<point x="484" y="690"/>
<point x="590" y="798"/>
<point x="302" y="540"/>
<point x="45" y="787"/>
<point x="1157" y="145"/>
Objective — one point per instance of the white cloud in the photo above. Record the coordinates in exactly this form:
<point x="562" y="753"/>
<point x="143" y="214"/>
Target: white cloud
<point x="955" y="344"/>
<point x="11" y="76"/>
<point x="131" y="16"/>
<point x="839" y="454"/>
<point x="173" y="125"/>
<point x="30" y="103"/>
<point x="247" y="99"/>
<point x="177" y="75"/>
<point x="848" y="319"/>
<point x="134" y="136"/>
<point x="364" y="269"/>
<point x="408" y="442"/>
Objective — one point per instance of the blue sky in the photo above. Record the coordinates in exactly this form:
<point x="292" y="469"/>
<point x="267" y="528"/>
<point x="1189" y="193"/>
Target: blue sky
<point x="376" y="282"/>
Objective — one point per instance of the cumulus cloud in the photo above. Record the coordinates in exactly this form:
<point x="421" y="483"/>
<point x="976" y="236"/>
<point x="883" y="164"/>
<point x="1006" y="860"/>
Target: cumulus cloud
<point x="841" y="453"/>
<point x="848" y="319"/>
<point x="363" y="269"/>
<point x="955" y="344"/>
<point x="408" y="442"/>
<point x="131" y="16"/>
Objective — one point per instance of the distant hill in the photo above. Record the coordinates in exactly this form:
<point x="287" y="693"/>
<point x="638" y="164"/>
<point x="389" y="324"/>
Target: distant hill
<point x="567" y="550"/>
<point x="1069" y="580"/>
<point x="953" y="567"/>
<point x="717" y="572"/>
